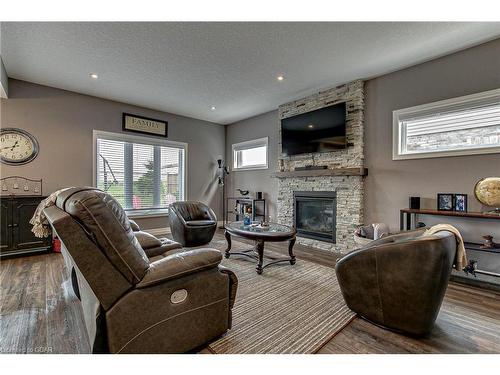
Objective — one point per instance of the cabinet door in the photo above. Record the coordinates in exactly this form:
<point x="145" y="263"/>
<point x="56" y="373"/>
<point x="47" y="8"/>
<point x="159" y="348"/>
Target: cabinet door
<point x="23" y="210"/>
<point x="5" y="225"/>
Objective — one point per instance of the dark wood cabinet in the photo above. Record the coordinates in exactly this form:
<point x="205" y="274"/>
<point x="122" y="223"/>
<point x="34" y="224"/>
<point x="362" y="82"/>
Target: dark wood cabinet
<point x="15" y="228"/>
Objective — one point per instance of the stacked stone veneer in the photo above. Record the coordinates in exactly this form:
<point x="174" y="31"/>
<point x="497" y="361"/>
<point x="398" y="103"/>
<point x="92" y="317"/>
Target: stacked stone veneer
<point x="350" y="189"/>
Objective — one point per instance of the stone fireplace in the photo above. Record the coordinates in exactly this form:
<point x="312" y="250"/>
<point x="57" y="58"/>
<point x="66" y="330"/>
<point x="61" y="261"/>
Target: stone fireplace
<point x="328" y="223"/>
<point x="315" y="214"/>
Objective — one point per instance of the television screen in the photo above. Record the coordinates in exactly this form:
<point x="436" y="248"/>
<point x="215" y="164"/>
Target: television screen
<point x="322" y="130"/>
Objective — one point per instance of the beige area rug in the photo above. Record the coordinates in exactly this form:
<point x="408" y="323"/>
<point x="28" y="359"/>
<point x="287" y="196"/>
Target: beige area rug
<point x="288" y="309"/>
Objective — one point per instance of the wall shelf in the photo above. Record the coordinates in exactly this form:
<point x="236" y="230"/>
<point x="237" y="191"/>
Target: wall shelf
<point x="475" y="215"/>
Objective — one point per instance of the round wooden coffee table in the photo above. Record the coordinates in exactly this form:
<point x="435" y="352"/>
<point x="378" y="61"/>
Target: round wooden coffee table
<point x="273" y="233"/>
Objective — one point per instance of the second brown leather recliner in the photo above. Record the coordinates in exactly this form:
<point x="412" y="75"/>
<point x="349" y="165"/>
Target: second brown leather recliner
<point x="399" y="281"/>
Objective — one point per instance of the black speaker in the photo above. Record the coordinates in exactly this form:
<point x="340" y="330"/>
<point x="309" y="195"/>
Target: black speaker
<point x="415" y="203"/>
<point x="259" y="195"/>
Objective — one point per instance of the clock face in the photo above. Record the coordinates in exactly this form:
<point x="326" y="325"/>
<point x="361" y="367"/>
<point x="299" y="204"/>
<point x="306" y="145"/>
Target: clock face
<point x="17" y="146"/>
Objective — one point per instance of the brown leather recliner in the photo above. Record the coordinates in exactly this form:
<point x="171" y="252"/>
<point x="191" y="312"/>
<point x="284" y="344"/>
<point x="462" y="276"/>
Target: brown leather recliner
<point x="399" y="281"/>
<point x="192" y="223"/>
<point x="132" y="304"/>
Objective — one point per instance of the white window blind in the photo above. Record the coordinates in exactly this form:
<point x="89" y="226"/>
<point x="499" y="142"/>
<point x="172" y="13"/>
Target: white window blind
<point x="459" y="126"/>
<point x="144" y="178"/>
<point x="250" y="154"/>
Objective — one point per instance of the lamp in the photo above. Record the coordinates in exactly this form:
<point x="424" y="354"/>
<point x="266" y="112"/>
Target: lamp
<point x="222" y="172"/>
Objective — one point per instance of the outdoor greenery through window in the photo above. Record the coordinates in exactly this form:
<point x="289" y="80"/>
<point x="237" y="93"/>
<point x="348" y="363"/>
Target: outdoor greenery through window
<point x="144" y="178"/>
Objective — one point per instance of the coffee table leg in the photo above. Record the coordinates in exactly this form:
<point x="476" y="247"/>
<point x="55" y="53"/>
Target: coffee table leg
<point x="260" y="250"/>
<point x="291" y="242"/>
<point x="228" y="239"/>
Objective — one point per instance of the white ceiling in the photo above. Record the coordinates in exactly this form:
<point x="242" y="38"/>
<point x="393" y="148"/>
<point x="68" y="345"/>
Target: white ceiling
<point x="185" y="68"/>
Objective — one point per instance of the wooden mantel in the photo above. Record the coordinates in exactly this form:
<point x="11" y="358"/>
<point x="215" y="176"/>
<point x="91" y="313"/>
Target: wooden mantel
<point x="323" y="172"/>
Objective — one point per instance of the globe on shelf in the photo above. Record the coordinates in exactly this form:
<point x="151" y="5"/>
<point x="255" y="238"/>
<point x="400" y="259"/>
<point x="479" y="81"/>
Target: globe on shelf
<point x="487" y="191"/>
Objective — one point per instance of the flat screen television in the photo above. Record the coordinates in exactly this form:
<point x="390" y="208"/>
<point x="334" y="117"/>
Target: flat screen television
<point x="322" y="130"/>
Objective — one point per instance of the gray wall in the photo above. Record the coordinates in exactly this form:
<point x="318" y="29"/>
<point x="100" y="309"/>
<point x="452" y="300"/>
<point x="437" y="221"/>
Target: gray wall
<point x="390" y="183"/>
<point x="63" y="122"/>
<point x="265" y="125"/>
<point x="4" y="81"/>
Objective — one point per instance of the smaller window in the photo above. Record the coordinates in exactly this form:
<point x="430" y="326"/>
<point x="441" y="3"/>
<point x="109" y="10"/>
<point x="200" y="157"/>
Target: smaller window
<point x="250" y="154"/>
<point x="460" y="126"/>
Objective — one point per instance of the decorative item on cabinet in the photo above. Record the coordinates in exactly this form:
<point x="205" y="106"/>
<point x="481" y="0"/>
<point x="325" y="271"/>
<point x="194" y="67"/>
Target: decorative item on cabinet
<point x="17" y="185"/>
<point x="19" y="199"/>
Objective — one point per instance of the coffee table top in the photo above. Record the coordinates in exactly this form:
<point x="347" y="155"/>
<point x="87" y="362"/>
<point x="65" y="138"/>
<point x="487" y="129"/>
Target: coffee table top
<point x="274" y="232"/>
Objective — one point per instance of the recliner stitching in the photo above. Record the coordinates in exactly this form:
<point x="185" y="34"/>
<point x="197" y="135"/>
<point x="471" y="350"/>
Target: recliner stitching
<point x="169" y="318"/>
<point x="111" y="243"/>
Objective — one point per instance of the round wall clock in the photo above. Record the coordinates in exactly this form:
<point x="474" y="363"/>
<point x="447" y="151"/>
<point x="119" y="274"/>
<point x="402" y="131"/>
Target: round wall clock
<point x="17" y="146"/>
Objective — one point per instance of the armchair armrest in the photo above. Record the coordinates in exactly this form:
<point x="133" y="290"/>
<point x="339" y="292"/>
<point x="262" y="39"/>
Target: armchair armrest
<point x="211" y="214"/>
<point x="177" y="215"/>
<point x="180" y="264"/>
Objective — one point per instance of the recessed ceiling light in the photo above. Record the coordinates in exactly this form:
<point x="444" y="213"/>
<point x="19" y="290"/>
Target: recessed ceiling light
<point x="94" y="76"/>
<point x="310" y="126"/>
<point x="280" y="77"/>
<point x="213" y="108"/>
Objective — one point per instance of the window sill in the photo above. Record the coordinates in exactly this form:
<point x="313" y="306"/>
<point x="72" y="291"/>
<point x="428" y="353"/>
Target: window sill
<point x="145" y="215"/>
<point x="447" y="153"/>
<point x="250" y="168"/>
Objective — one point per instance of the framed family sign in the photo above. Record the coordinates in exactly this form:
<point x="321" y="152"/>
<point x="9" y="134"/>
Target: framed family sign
<point x="144" y="125"/>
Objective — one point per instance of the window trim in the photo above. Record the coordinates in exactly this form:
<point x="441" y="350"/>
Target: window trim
<point x="259" y="142"/>
<point x="397" y="134"/>
<point x="100" y="134"/>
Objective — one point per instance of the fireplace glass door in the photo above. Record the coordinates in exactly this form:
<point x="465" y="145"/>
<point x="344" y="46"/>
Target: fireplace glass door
<point x="315" y="216"/>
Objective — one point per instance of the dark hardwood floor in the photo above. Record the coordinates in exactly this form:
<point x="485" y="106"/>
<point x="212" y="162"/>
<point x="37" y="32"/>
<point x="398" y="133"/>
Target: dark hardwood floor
<point x="39" y="313"/>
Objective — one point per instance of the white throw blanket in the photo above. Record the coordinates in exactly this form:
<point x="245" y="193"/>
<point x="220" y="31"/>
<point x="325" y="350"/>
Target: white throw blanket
<point x="41" y="227"/>
<point x="460" y="260"/>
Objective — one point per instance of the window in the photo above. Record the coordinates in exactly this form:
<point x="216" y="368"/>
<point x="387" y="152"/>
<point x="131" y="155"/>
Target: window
<point x="144" y="175"/>
<point x="460" y="126"/>
<point x="250" y="154"/>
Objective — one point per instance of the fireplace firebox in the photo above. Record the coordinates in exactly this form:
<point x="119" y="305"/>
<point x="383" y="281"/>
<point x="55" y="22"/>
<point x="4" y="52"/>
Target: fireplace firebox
<point x="315" y="214"/>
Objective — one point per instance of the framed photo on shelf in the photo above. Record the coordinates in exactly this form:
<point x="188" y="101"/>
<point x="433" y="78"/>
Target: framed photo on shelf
<point x="445" y="202"/>
<point x="460" y="202"/>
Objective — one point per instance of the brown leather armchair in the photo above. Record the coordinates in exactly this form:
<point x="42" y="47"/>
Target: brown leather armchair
<point x="192" y="223"/>
<point x="131" y="303"/>
<point x="399" y="281"/>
